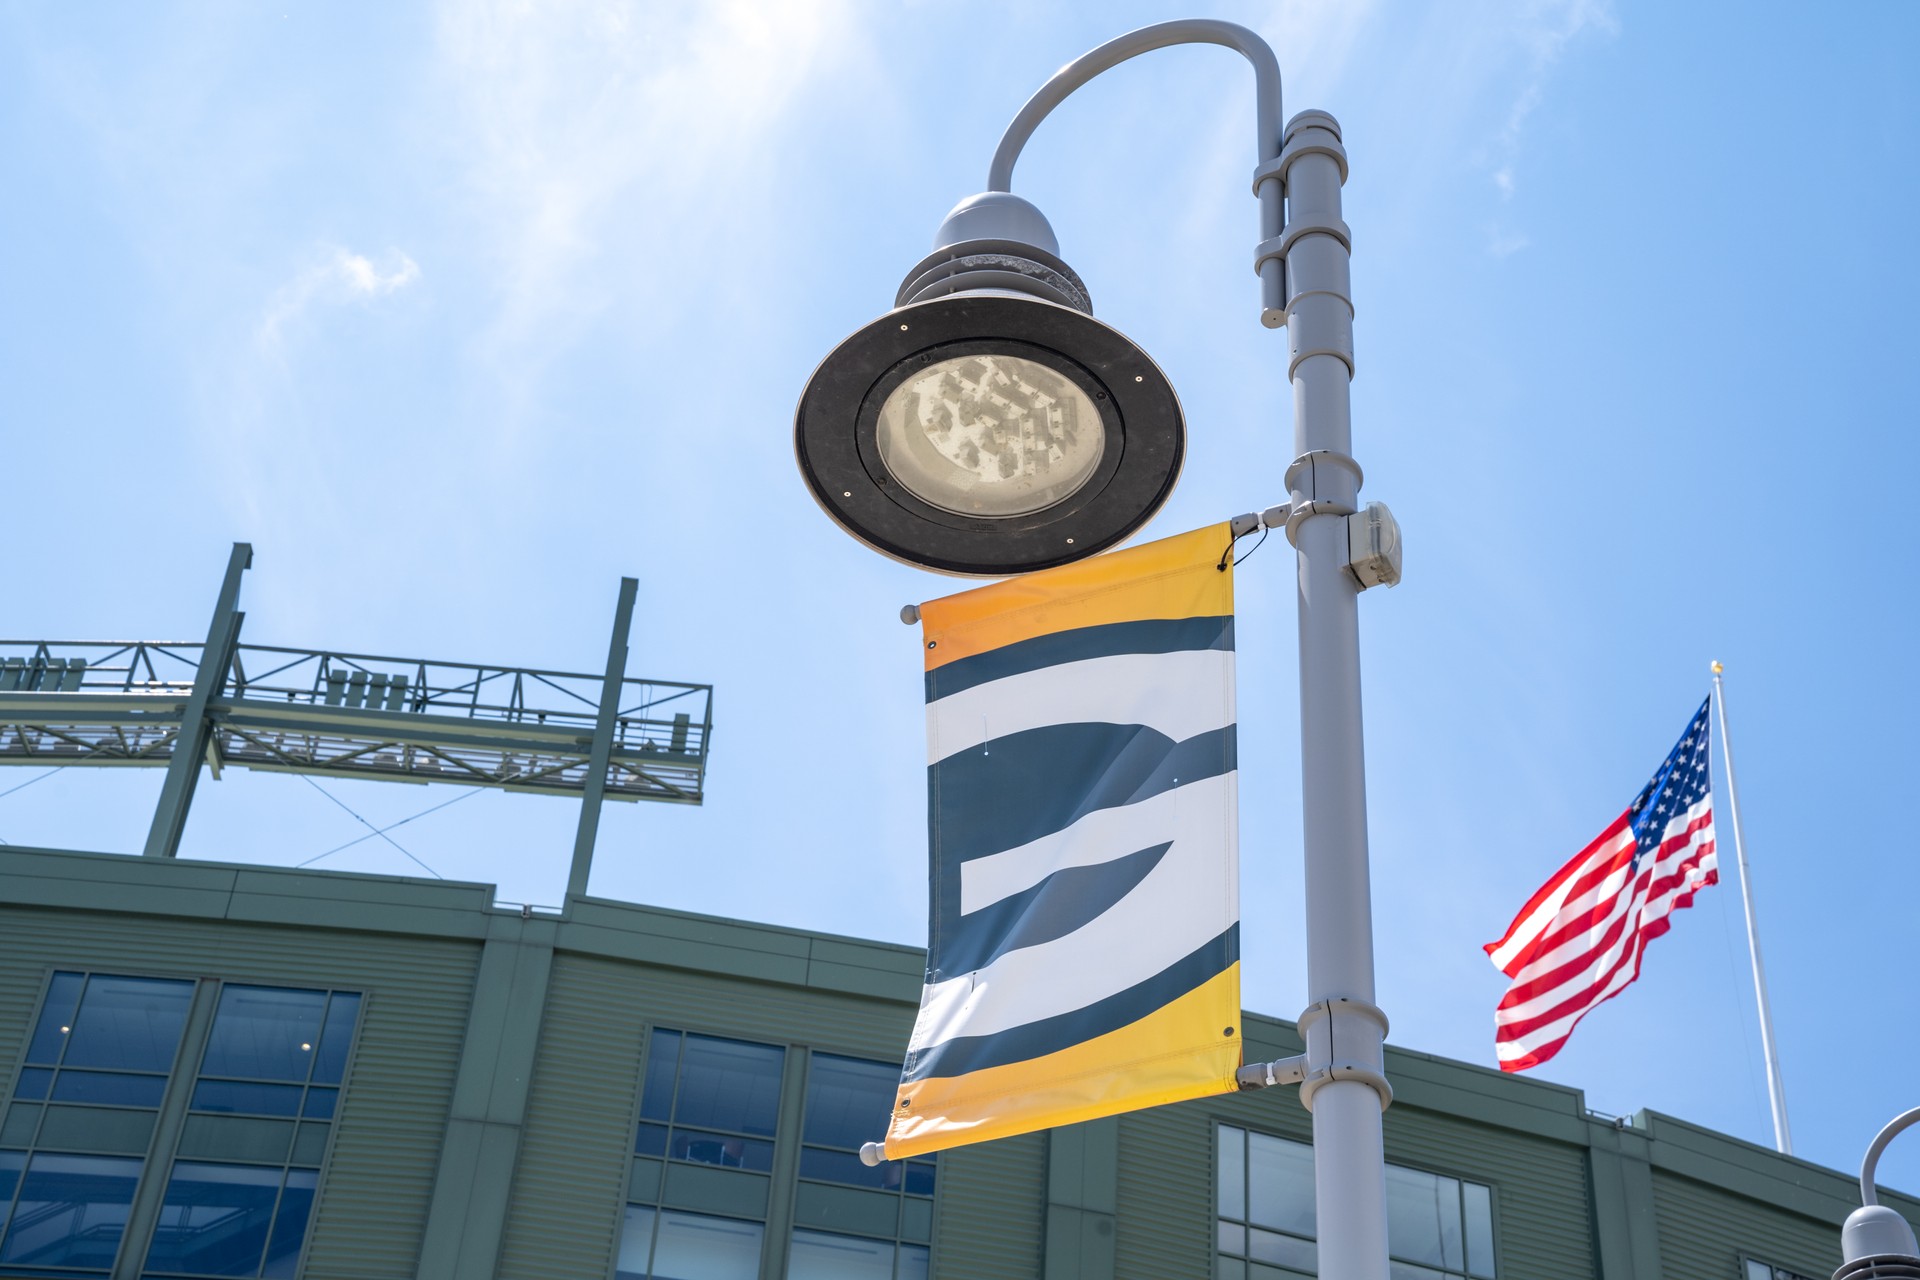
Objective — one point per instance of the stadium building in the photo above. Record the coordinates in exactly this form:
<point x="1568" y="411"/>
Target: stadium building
<point x="229" y="1070"/>
<point x="217" y="1069"/>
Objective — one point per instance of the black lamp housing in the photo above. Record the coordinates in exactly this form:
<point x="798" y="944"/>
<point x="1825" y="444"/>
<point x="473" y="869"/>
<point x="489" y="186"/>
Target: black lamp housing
<point x="996" y="287"/>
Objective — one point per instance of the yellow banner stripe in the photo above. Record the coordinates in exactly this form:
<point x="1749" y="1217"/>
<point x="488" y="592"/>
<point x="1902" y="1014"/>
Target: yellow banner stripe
<point x="1157" y="580"/>
<point x="1120" y="1071"/>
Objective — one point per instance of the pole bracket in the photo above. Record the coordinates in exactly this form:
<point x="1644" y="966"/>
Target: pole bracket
<point x="1345" y="1041"/>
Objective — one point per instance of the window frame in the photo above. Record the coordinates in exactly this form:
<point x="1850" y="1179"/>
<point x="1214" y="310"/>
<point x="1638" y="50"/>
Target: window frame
<point x="1220" y="1122"/>
<point x="788" y="1139"/>
<point x="176" y="1101"/>
<point x="900" y="1194"/>
<point x="1774" y="1270"/>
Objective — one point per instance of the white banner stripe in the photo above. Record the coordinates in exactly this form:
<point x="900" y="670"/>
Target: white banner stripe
<point x="1200" y="811"/>
<point x="1183" y="903"/>
<point x="1180" y="694"/>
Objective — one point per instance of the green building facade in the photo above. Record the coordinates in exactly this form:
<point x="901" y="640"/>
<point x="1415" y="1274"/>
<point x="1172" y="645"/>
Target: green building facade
<point x="226" y="1070"/>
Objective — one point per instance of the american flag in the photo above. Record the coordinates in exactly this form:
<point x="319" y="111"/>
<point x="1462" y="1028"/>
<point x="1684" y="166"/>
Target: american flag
<point x="1579" y="940"/>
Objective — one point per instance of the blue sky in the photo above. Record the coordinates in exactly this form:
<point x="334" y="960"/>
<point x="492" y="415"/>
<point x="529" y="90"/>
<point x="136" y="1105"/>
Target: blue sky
<point x="460" y="312"/>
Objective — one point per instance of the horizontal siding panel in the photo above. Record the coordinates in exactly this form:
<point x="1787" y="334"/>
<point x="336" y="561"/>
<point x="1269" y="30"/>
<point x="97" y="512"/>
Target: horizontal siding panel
<point x="1164" y="1208"/>
<point x="1705" y="1229"/>
<point x="373" y="1201"/>
<point x="992" y="1210"/>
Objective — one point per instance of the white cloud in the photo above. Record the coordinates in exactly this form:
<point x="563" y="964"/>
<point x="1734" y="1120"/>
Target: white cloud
<point x="343" y="276"/>
<point x="1547" y="28"/>
<point x="600" y="141"/>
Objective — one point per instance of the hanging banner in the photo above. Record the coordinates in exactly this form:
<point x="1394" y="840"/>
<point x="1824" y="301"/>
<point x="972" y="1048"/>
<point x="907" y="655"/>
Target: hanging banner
<point x="1083" y="948"/>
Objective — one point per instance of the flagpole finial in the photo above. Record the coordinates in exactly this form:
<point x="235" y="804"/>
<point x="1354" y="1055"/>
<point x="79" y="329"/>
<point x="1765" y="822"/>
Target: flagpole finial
<point x="1717" y="668"/>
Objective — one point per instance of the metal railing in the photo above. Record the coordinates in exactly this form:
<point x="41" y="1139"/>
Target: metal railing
<point x="352" y="714"/>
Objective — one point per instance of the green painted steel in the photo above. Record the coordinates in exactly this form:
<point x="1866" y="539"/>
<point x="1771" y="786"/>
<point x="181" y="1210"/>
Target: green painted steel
<point x="374" y="1190"/>
<point x="487" y="1116"/>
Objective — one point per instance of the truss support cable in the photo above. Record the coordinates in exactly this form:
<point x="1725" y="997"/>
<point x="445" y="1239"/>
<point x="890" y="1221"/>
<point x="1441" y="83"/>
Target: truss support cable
<point x="382" y="832"/>
<point x="595" y="788"/>
<point x="377" y="831"/>
<point x="196" y="727"/>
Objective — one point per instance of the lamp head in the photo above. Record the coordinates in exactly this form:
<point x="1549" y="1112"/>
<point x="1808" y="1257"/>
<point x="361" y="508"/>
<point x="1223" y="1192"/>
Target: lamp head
<point x="1877" y="1244"/>
<point x="989" y="424"/>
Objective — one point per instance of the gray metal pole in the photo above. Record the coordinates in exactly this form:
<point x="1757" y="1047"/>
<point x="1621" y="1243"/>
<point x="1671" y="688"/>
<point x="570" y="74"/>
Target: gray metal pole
<point x="1345" y="1086"/>
<point x="1344" y="1083"/>
<point x="601" y="754"/>
<point x="1776" y="1091"/>
<point x="195" y="736"/>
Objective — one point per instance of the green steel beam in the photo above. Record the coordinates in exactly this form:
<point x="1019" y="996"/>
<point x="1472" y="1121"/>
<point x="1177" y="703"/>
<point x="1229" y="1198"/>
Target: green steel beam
<point x="468" y="1213"/>
<point x="596" y="782"/>
<point x="196" y="727"/>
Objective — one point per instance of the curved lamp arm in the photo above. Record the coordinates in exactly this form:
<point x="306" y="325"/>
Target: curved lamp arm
<point x="1161" y="35"/>
<point x="1867" y="1194"/>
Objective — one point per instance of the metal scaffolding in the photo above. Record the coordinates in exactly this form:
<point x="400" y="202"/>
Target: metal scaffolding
<point x="352" y="715"/>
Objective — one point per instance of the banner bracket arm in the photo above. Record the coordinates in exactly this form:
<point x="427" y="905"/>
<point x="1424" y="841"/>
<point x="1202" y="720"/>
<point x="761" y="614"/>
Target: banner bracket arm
<point x="1265" y="1075"/>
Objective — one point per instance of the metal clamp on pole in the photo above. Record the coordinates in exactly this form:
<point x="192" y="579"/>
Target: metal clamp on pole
<point x="1322" y="482"/>
<point x="1345" y="1041"/>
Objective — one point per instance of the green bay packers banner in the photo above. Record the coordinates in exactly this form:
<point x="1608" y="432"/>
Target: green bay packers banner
<point x="1083" y="948"/>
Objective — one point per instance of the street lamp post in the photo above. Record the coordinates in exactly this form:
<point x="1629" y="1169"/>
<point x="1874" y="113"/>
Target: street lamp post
<point x="1877" y="1243"/>
<point x="996" y="283"/>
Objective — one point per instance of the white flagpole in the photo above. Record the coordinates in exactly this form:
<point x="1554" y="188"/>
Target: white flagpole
<point x="1782" y="1136"/>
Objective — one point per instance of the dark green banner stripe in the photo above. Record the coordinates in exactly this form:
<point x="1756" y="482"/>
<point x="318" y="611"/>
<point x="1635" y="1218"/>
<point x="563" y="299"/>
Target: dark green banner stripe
<point x="1039" y="781"/>
<point x="1054" y="908"/>
<point x="964" y="1054"/>
<point x="1152" y="635"/>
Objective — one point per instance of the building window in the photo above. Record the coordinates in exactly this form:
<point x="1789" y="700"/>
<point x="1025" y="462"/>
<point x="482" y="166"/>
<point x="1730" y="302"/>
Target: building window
<point x="74" y="1139"/>
<point x="709" y="1102"/>
<point x="1438" y="1228"/>
<point x="701" y="1191"/>
<point x="258" y="1120"/>
<point x="99" y="1074"/>
<point x="852" y="1222"/>
<point x="1754" y="1269"/>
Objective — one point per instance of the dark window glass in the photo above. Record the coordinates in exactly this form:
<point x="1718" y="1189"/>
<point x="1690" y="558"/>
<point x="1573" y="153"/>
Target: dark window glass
<point x="919" y="1179"/>
<point x="342" y="1011"/>
<point x="56" y="1018"/>
<point x="130" y="1024"/>
<point x="729" y="1084"/>
<point x="264" y="1032"/>
<point x="320" y="1104"/>
<point x="722" y="1149"/>
<point x="290" y="1223"/>
<point x="849" y="1102"/>
<point x="651" y="1140"/>
<point x="247" y="1099"/>
<point x="71" y="1211"/>
<point x="844" y="1166"/>
<point x="11" y="1162"/>
<point x="214" y="1220"/>
<point x="33" y="1083"/>
<point x="663" y="1062"/>
<point x="108" y="1087"/>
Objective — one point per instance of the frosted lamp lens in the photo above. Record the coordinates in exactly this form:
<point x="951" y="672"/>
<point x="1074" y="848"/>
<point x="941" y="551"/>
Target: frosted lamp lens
<point x="990" y="436"/>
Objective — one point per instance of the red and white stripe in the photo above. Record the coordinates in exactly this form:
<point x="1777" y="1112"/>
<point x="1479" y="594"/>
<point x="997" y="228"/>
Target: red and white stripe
<point x="1579" y="940"/>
